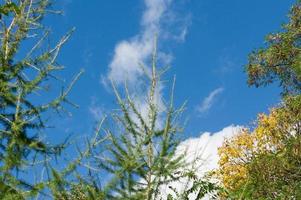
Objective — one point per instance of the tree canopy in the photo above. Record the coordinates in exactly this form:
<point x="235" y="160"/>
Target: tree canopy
<point x="280" y="59"/>
<point x="22" y="77"/>
<point x="264" y="162"/>
<point x="133" y="154"/>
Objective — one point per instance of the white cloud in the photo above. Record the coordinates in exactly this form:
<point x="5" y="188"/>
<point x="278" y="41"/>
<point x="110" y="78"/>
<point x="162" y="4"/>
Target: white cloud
<point x="125" y="66"/>
<point x="209" y="100"/>
<point x="202" y="154"/>
<point x="206" y="147"/>
<point x="129" y="53"/>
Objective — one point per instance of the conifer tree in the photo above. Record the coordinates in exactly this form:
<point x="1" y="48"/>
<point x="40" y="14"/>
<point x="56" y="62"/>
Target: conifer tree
<point x="140" y="152"/>
<point x="141" y="158"/>
<point x="69" y="184"/>
<point x="135" y="157"/>
<point x="25" y="75"/>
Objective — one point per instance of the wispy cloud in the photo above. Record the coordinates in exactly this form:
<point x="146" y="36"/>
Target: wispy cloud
<point x="208" y="102"/>
<point x="159" y="19"/>
<point x="130" y="53"/>
<point x="138" y="49"/>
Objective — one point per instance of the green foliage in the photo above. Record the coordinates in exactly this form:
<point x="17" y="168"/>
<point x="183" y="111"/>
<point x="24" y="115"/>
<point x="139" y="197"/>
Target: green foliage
<point x="196" y="187"/>
<point x="142" y="157"/>
<point x="281" y="177"/>
<point x="265" y="163"/>
<point x="69" y="184"/>
<point x="139" y="155"/>
<point x="22" y="76"/>
<point x="280" y="60"/>
<point x="9" y="7"/>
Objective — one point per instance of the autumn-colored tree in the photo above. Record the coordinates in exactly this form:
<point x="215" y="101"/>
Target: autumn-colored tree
<point x="265" y="163"/>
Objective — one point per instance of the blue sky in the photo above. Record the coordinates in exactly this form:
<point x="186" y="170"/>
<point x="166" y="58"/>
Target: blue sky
<point x="206" y="43"/>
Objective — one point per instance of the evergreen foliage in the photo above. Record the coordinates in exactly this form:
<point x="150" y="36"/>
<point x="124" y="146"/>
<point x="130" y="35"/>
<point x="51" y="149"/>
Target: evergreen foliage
<point x="24" y="73"/>
<point x="141" y="156"/>
<point x="135" y="156"/>
<point x="69" y="184"/>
